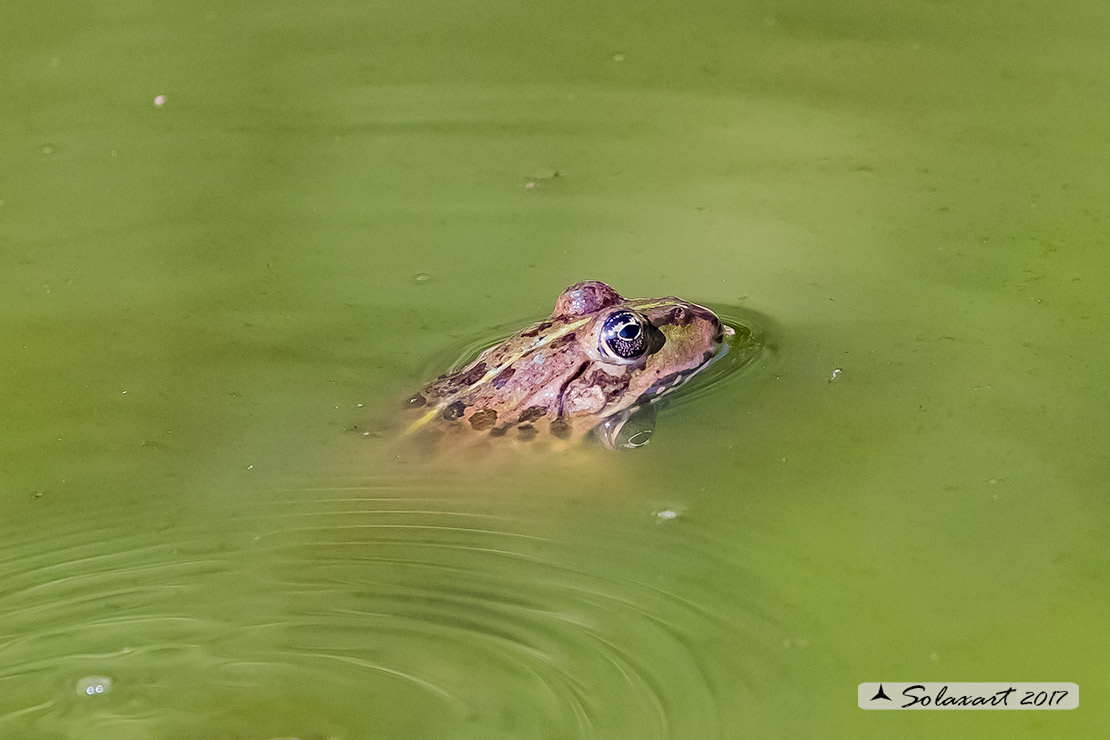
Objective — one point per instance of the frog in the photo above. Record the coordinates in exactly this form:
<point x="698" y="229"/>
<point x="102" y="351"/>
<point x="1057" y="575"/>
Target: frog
<point x="590" y="367"/>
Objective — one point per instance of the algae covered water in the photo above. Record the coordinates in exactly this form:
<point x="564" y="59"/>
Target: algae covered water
<point x="233" y="238"/>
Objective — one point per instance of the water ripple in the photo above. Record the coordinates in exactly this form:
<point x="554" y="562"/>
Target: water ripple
<point x="464" y="615"/>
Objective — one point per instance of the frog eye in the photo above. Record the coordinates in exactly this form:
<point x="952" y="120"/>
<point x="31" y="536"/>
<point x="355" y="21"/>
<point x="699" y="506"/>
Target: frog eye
<point x="626" y="337"/>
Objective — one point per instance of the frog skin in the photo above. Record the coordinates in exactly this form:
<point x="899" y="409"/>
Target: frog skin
<point x="588" y="366"/>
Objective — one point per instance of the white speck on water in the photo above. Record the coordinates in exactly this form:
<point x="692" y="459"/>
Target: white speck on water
<point x="123" y="393"/>
<point x="618" y="57"/>
<point x="359" y="405"/>
<point x="666" y="515"/>
<point x="93" y="685"/>
<point x="835" y="374"/>
<point x="531" y="184"/>
<point x="421" y="277"/>
<point x="159" y="101"/>
<point x="250" y="467"/>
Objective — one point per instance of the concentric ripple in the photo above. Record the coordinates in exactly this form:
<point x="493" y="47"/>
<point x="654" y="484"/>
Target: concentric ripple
<point x="512" y="620"/>
<point x="352" y="609"/>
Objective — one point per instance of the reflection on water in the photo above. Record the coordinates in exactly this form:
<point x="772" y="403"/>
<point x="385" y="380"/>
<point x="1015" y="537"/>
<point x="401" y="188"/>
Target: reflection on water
<point x="446" y="612"/>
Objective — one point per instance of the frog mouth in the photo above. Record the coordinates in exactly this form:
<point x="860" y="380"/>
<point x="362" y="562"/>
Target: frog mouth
<point x="634" y="426"/>
<point x="674" y="381"/>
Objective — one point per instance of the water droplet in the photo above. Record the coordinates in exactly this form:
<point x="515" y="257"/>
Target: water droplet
<point x="421" y="277"/>
<point x="666" y="515"/>
<point x="93" y="685"/>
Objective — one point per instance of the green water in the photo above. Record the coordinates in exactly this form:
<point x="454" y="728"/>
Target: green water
<point x="203" y="304"/>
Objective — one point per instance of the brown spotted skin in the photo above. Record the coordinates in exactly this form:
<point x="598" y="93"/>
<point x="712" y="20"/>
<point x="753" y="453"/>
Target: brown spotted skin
<point x="555" y="380"/>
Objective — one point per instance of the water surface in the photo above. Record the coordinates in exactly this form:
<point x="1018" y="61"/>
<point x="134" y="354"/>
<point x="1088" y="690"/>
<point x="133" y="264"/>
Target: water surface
<point x="207" y="303"/>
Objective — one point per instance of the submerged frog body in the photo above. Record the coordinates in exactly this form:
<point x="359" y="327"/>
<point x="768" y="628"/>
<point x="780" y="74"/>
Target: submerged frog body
<point x="597" y="358"/>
